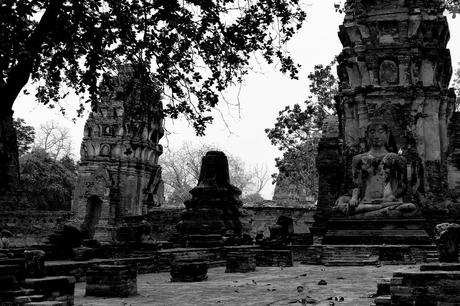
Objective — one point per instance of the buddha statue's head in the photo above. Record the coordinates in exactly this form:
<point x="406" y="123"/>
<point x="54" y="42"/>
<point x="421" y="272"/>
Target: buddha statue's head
<point x="377" y="133"/>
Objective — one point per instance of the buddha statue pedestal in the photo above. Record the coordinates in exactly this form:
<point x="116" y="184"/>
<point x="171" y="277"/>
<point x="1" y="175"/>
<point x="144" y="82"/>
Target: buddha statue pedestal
<point x="401" y="231"/>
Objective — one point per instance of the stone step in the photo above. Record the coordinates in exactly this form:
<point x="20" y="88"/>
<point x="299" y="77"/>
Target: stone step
<point x="377" y="224"/>
<point x="345" y="252"/>
<point x="334" y="261"/>
<point x="21" y="300"/>
<point x="383" y="300"/>
<point x="350" y="263"/>
<point x="37" y="297"/>
<point x="10" y="294"/>
<point x="45" y="303"/>
<point x="24" y="299"/>
<point x="371" y="237"/>
<point x="345" y="258"/>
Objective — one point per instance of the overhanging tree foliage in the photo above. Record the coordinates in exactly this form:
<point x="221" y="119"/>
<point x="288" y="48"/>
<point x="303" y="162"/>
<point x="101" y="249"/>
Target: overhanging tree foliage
<point x="195" y="49"/>
<point x="25" y="135"/>
<point x="452" y="6"/>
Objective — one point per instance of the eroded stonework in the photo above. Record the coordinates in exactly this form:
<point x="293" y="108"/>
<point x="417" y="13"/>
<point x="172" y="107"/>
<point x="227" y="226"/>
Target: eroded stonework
<point x="119" y="175"/>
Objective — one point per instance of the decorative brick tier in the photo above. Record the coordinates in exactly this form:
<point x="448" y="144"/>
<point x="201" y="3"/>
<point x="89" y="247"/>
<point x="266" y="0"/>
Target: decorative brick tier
<point x="241" y="262"/>
<point x="111" y="281"/>
<point x="274" y="258"/>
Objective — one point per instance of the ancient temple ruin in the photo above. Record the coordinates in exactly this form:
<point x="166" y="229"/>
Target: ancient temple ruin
<point x="119" y="175"/>
<point x="394" y="73"/>
<point x="213" y="212"/>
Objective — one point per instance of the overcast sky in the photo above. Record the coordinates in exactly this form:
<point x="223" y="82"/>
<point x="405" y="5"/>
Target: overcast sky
<point x="265" y="92"/>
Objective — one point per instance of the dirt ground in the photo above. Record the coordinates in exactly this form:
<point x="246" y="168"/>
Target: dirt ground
<point x="266" y="286"/>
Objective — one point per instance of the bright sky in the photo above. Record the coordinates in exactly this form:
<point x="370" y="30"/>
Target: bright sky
<point x="265" y="92"/>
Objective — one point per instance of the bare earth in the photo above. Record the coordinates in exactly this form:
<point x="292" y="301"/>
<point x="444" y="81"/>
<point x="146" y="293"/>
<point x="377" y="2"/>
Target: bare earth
<point x="266" y="286"/>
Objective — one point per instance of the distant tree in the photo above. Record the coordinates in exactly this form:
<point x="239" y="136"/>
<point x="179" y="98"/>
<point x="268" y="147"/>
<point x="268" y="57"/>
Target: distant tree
<point x="181" y="170"/>
<point x="69" y="163"/>
<point x="252" y="198"/>
<point x="194" y="49"/>
<point x="25" y="135"/>
<point x="54" y="140"/>
<point x="297" y="130"/>
<point x="260" y="178"/>
<point x="47" y="183"/>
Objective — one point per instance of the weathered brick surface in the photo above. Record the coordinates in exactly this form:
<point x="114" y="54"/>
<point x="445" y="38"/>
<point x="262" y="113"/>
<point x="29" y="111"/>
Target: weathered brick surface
<point x="241" y="262"/>
<point x="274" y="258"/>
<point x="111" y="281"/>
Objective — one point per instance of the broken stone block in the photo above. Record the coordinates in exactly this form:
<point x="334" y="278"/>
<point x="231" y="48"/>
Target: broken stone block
<point x="447" y="237"/>
<point x="53" y="288"/>
<point x="322" y="282"/>
<point x="189" y="270"/>
<point x="35" y="263"/>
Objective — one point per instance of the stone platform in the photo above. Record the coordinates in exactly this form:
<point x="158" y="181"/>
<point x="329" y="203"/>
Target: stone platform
<point x="434" y="284"/>
<point x="376" y="231"/>
<point x="265" y="286"/>
<point x="362" y="255"/>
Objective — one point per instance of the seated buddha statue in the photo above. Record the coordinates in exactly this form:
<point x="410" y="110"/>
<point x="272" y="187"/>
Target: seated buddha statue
<point x="380" y="180"/>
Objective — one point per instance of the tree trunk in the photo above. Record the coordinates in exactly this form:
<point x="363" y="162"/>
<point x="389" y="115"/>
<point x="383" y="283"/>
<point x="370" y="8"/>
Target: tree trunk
<point x="9" y="157"/>
<point x="17" y="78"/>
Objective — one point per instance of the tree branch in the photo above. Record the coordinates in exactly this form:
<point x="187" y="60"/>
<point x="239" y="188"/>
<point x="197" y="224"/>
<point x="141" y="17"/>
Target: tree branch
<point x="20" y="73"/>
